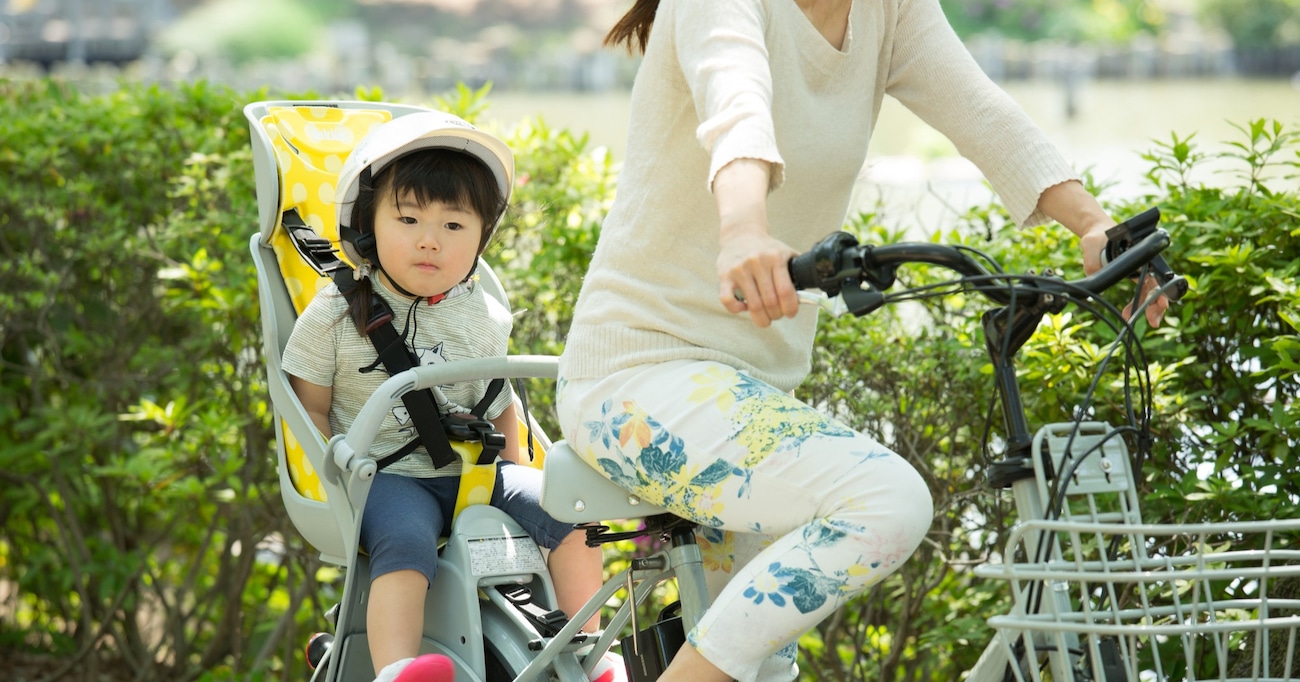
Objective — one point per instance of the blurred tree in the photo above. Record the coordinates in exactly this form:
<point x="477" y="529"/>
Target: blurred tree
<point x="243" y="30"/>
<point x="1255" y="23"/>
<point x="1072" y="20"/>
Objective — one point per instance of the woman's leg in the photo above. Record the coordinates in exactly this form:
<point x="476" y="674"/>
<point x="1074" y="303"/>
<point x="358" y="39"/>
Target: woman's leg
<point x="724" y="552"/>
<point x="714" y="445"/>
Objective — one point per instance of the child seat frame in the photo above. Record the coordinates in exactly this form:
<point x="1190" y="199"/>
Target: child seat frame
<point x="296" y="230"/>
<point x="475" y="608"/>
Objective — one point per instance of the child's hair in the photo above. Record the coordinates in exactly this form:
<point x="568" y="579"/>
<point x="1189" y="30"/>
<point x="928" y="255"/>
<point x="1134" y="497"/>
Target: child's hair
<point x="426" y="176"/>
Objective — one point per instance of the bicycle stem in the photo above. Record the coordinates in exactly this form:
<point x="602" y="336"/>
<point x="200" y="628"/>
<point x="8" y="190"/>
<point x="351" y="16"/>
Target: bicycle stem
<point x="860" y="273"/>
<point x="1002" y="339"/>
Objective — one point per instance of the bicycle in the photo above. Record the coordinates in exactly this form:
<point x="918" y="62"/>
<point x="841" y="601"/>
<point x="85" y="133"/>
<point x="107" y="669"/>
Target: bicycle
<point x="492" y="608"/>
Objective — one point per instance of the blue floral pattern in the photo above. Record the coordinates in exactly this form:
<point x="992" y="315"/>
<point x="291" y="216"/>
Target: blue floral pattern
<point x="765" y="422"/>
<point x="811" y="569"/>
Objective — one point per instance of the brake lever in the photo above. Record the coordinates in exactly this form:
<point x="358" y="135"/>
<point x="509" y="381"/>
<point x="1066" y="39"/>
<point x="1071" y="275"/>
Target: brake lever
<point x="831" y="304"/>
<point x="1124" y="235"/>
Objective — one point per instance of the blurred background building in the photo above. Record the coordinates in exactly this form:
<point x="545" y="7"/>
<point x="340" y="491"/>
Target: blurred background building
<point x="429" y="45"/>
<point x="1106" y="79"/>
<point x="51" y="32"/>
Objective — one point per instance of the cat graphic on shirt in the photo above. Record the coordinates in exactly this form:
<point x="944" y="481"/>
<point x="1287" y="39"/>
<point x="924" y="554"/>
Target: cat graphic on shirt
<point x="426" y="356"/>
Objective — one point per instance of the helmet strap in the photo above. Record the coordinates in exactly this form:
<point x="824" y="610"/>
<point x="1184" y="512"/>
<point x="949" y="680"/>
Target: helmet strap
<point x="401" y="290"/>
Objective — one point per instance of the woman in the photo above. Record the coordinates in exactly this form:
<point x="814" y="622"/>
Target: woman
<point x="750" y="123"/>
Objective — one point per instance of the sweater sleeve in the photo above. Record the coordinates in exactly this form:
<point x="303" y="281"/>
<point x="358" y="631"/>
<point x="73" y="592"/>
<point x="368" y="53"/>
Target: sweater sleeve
<point x="933" y="75"/>
<point x="722" y="51"/>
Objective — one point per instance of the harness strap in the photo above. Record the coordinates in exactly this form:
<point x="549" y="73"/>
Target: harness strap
<point x="431" y="425"/>
<point x="315" y="250"/>
<point x="476" y="430"/>
<point x="419" y="404"/>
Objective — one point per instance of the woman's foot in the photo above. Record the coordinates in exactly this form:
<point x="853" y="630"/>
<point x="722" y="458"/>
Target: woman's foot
<point x="426" y="668"/>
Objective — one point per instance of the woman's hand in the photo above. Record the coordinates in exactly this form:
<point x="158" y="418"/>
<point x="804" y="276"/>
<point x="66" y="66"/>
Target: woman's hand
<point x="754" y="275"/>
<point x="753" y="267"/>
<point x="1092" y="243"/>
<point x="1075" y="208"/>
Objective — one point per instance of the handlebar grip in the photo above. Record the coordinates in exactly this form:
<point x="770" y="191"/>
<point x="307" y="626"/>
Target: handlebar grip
<point x="1123" y="236"/>
<point x="1126" y="264"/>
<point x="803" y="271"/>
<point x="826" y="264"/>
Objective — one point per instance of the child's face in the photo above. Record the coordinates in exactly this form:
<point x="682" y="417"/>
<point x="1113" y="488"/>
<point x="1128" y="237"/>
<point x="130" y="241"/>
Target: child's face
<point x="426" y="249"/>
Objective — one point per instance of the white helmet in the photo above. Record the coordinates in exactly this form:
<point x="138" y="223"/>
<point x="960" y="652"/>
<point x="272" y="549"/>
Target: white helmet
<point x="408" y="133"/>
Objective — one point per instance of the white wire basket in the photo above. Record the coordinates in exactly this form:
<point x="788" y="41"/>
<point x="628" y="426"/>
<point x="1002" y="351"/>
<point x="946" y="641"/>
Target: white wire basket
<point x="1154" y="602"/>
<point x="1101" y="596"/>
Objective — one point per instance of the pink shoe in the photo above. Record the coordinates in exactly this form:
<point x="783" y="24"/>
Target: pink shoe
<point x="428" y="668"/>
<point x="611" y="668"/>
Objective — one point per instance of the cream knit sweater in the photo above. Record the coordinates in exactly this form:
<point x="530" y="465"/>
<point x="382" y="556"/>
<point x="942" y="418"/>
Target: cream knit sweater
<point x="729" y="79"/>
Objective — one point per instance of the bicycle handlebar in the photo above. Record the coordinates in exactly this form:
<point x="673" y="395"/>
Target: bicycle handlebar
<point x="858" y="274"/>
<point x="839" y="260"/>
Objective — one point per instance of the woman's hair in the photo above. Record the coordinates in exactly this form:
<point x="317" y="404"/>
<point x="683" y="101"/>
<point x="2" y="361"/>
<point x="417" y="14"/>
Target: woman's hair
<point x="426" y="176"/>
<point x="634" y="27"/>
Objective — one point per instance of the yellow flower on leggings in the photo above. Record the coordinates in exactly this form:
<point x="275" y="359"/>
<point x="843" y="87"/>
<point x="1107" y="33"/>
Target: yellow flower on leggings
<point x="679" y="480"/>
<point x="716" y="384"/>
<point x="775" y="423"/>
<point x="653" y="491"/>
<point x="716" y="548"/>
<point x="709" y="501"/>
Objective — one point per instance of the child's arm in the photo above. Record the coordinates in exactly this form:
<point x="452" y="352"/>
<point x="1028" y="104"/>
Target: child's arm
<point x="508" y="424"/>
<point x="316" y="399"/>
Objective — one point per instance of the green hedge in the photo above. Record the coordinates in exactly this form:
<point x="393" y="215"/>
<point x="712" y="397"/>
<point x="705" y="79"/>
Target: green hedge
<point x="143" y="532"/>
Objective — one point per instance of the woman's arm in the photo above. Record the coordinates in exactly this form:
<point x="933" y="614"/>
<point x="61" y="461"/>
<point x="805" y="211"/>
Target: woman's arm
<point x="1071" y="205"/>
<point x="751" y="263"/>
<point x="933" y="74"/>
<point x="722" y="53"/>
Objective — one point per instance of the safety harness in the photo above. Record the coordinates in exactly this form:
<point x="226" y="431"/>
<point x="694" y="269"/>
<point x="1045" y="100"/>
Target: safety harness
<point x="310" y="145"/>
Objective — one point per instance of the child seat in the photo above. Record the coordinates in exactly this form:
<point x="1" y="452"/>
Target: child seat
<point x="298" y="149"/>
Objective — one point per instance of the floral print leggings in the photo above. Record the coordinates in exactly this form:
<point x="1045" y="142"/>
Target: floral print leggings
<point x="798" y="513"/>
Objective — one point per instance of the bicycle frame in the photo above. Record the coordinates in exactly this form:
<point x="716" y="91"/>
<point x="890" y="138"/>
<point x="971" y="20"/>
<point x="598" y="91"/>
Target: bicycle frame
<point x="490" y="637"/>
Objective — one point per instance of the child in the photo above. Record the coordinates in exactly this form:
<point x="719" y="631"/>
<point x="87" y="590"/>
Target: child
<point x="418" y="200"/>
